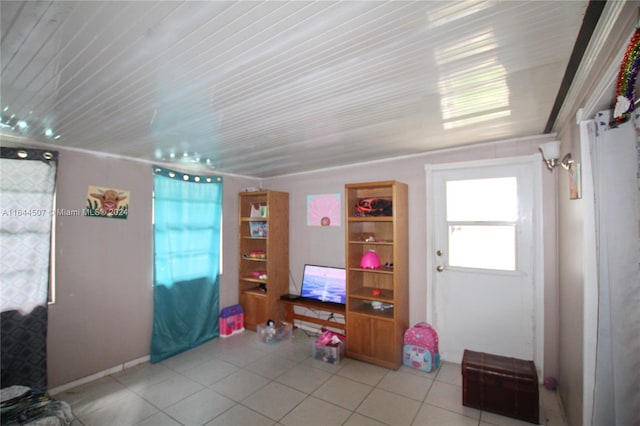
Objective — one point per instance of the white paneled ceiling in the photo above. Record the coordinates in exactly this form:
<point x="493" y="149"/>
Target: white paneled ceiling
<point x="270" y="88"/>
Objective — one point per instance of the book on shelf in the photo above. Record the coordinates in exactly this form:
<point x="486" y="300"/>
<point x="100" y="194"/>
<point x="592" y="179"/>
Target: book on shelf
<point x="259" y="229"/>
<point x="258" y="210"/>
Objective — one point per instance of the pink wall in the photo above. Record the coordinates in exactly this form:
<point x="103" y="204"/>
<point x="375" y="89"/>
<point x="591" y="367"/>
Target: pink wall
<point x="102" y="315"/>
<point x="326" y="245"/>
<point x="571" y="287"/>
<point x="103" y="312"/>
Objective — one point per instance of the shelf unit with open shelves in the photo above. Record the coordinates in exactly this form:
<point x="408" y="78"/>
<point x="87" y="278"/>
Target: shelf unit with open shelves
<point x="377" y="312"/>
<point x="263" y="275"/>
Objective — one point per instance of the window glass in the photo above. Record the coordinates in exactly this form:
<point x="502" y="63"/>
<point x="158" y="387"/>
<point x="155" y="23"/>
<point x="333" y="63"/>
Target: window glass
<point x="482" y="217"/>
<point x="475" y="200"/>
<point x="483" y="246"/>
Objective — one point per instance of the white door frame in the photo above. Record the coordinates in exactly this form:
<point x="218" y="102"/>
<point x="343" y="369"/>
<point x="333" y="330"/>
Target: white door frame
<point x="538" y="233"/>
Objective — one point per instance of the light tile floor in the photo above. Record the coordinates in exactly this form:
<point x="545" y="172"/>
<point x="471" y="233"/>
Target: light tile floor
<point x="241" y="381"/>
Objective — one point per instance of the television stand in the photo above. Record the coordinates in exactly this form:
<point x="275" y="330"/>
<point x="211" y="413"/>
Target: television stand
<point x="291" y="314"/>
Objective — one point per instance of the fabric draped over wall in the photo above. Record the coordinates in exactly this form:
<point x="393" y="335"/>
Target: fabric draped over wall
<point x="615" y="154"/>
<point x="27" y="188"/>
<point x="187" y="231"/>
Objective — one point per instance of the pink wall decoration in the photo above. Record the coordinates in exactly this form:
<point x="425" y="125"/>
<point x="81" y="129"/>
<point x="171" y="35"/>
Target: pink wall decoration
<point x="323" y="210"/>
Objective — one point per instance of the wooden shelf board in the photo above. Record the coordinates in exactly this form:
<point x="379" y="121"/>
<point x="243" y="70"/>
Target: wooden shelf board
<point x="370" y="218"/>
<point x="373" y="243"/>
<point x="365" y="293"/>
<point x="369" y="311"/>
<point x="253" y="280"/>
<point x="381" y="270"/>
<point x="255" y="291"/>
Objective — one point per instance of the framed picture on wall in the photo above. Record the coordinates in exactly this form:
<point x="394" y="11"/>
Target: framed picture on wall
<point x="575" y="184"/>
<point x="323" y="210"/>
<point x="107" y="202"/>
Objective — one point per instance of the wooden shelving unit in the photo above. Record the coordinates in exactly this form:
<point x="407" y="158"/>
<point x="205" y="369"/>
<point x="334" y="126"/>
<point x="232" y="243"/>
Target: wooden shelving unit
<point x="375" y="333"/>
<point x="263" y="219"/>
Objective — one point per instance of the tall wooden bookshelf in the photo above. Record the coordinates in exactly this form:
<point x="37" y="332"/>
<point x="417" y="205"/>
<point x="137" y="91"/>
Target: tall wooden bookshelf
<point x="377" y="312"/>
<point x="263" y="255"/>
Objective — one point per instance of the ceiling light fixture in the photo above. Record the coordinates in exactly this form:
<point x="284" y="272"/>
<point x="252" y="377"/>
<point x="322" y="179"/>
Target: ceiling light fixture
<point x="24" y="126"/>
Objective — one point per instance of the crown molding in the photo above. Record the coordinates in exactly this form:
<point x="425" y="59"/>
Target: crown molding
<point x="593" y="87"/>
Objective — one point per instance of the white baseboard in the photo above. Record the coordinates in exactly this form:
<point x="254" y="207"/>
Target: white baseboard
<point x="99" y="375"/>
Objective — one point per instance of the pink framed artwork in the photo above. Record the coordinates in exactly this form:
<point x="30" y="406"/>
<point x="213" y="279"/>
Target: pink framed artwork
<point x="323" y="210"/>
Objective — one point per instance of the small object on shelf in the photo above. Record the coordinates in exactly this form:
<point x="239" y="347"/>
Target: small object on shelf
<point x="272" y="332"/>
<point x="376" y="291"/>
<point x="374" y="207"/>
<point x="261" y="275"/>
<point x="379" y="306"/>
<point x="255" y="254"/>
<point x="259" y="229"/>
<point x="258" y="210"/>
<point x="370" y="260"/>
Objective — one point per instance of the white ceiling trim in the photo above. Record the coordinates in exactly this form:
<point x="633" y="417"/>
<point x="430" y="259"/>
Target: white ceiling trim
<point x="594" y="85"/>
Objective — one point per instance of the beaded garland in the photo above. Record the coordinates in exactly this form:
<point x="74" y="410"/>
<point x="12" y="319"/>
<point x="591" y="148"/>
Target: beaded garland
<point x="625" y="89"/>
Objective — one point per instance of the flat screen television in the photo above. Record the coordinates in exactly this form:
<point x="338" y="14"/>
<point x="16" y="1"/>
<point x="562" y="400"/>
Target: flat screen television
<point x="324" y="283"/>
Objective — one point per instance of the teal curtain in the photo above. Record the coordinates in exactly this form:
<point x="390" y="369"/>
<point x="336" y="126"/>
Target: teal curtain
<point x="186" y="305"/>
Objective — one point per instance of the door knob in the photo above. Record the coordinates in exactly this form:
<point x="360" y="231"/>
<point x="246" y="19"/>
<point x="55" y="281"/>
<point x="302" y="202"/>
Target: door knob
<point x="439" y="268"/>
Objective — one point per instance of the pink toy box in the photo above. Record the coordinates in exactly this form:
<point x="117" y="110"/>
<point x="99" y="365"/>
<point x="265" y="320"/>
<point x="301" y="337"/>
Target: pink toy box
<point x="421" y="348"/>
<point x="329" y="347"/>
<point x="231" y="321"/>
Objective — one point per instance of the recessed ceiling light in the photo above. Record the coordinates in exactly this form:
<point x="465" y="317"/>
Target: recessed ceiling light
<point x="48" y="133"/>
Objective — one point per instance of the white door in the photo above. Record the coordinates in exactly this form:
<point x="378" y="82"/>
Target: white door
<point x="481" y="257"/>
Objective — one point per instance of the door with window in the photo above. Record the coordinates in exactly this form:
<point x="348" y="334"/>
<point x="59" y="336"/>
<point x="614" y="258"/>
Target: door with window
<point x="481" y="257"/>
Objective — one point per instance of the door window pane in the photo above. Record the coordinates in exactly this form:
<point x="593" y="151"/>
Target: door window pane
<point x="482" y="216"/>
<point x="483" y="246"/>
<point x="478" y="200"/>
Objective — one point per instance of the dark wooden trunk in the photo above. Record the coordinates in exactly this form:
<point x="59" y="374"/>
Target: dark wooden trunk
<point x="502" y="385"/>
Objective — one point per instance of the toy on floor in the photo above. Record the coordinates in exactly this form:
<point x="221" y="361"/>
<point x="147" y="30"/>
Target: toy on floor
<point x="329" y="347"/>
<point x="270" y="331"/>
